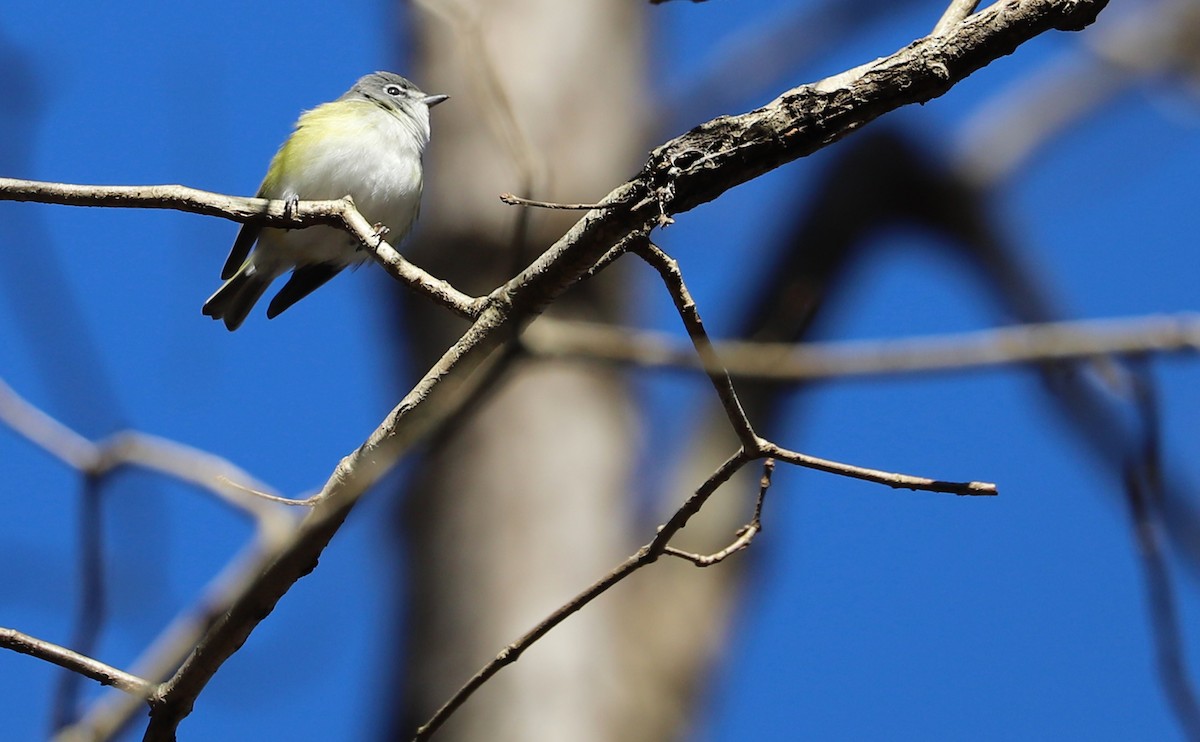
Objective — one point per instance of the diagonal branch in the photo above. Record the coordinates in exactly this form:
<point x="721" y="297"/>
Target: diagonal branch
<point x="648" y="554"/>
<point x="668" y="271"/>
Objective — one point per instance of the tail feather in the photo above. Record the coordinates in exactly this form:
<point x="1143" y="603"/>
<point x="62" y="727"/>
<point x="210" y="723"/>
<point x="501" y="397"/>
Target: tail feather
<point x="236" y="297"/>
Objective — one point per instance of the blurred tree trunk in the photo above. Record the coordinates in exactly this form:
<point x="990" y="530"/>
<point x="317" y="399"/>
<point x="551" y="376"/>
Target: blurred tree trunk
<point x="530" y="496"/>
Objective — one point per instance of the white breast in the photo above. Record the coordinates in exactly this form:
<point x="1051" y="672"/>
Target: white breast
<point x="377" y="162"/>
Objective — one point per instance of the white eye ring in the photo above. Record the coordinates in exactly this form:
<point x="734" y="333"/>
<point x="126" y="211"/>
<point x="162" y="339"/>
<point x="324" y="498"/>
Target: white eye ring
<point x="392" y="90"/>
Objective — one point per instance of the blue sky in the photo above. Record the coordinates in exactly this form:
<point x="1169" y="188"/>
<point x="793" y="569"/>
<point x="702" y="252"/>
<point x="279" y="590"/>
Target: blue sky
<point x="873" y="614"/>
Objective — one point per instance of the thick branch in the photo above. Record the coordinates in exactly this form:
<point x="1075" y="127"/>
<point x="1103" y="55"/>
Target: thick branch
<point x="729" y="150"/>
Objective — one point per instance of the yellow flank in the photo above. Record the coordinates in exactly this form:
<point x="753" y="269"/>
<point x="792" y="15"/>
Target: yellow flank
<point x="336" y="120"/>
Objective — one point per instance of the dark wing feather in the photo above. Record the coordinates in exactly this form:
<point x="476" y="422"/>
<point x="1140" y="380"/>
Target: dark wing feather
<point x="304" y="280"/>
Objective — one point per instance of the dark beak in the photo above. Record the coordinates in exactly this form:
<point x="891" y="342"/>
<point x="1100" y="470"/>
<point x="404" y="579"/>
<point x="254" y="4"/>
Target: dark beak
<point x="433" y="100"/>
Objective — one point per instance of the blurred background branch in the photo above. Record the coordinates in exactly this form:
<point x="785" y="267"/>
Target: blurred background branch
<point x="1018" y="344"/>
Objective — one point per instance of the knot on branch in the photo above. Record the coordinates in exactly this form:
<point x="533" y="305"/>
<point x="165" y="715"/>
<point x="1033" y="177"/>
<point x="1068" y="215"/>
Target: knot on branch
<point x="1079" y="14"/>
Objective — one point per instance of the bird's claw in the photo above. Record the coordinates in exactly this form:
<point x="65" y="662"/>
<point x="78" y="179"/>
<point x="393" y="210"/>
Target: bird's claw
<point x="379" y="231"/>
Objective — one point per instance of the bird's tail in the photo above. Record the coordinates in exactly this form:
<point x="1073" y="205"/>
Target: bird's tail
<point x="236" y="297"/>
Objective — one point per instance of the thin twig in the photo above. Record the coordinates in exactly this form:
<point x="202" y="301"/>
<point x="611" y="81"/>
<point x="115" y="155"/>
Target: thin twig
<point x="745" y="534"/>
<point x="401" y="269"/>
<point x="756" y="448"/>
<point x="668" y="270"/>
<point x="513" y="651"/>
<point x="891" y="479"/>
<point x="304" y="502"/>
<point x="606" y="260"/>
<point x="512" y="200"/>
<point x="71" y="660"/>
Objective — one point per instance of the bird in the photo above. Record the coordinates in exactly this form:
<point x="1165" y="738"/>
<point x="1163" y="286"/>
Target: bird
<point x="367" y="145"/>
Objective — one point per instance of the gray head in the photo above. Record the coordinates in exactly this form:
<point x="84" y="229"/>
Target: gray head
<point x="392" y="91"/>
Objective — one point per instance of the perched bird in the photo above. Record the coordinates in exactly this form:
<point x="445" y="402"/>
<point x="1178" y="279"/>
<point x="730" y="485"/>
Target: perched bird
<point x="367" y="144"/>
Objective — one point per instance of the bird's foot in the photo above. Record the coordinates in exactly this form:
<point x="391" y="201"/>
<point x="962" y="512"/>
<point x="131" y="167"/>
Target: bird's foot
<point x="379" y="231"/>
<point x="291" y="205"/>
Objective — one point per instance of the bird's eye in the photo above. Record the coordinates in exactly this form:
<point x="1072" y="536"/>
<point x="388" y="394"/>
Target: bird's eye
<point x="392" y="90"/>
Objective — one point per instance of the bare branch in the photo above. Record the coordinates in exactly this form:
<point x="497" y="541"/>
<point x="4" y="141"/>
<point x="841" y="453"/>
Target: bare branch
<point x="1136" y="47"/>
<point x="512" y="200"/>
<point x="267" y="495"/>
<point x="891" y="479"/>
<point x="668" y="270"/>
<point x="75" y="662"/>
<point x="708" y="160"/>
<point x="175" y="197"/>
<point x="401" y="269"/>
<point x="956" y="13"/>
<point x="198" y="468"/>
<point x="110" y="713"/>
<point x="745" y="534"/>
<point x="1019" y="344"/>
<point x="45" y="432"/>
<point x="660" y="545"/>
<point x="340" y="213"/>
<point x="193" y="466"/>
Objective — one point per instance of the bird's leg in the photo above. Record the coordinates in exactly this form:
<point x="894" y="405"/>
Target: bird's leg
<point x="379" y="231"/>
<point x="291" y="205"/>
